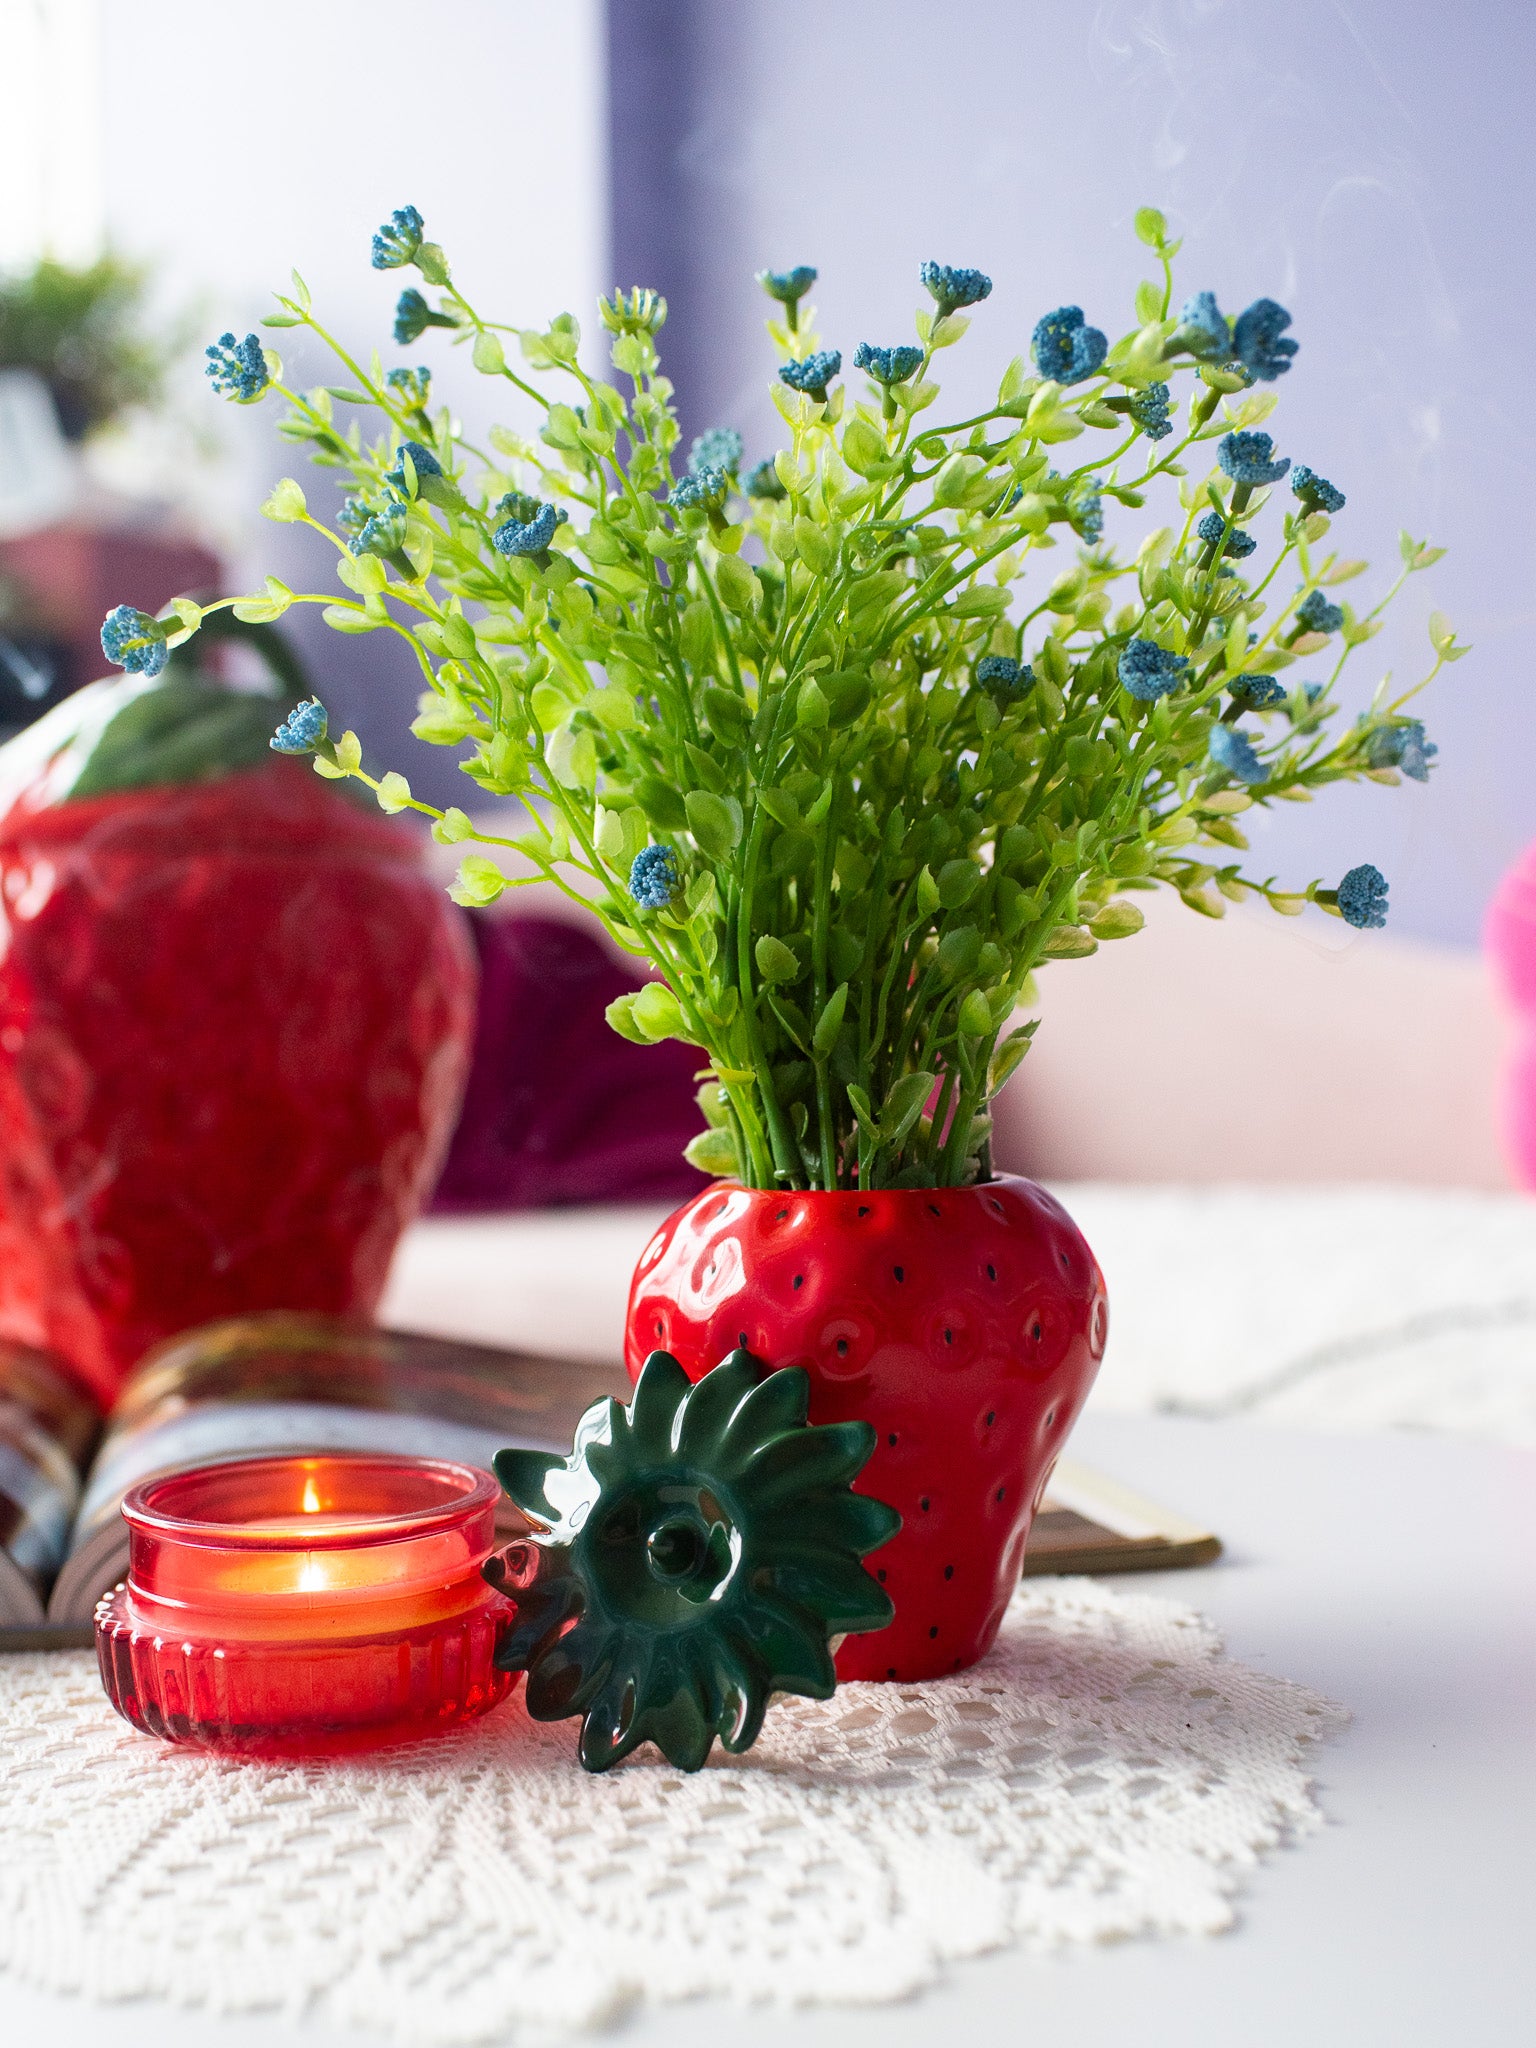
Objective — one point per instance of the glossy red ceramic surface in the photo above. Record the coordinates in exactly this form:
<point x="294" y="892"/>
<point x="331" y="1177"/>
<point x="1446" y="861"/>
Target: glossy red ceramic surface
<point x="306" y="1603"/>
<point x="234" y="1023"/>
<point x="966" y="1324"/>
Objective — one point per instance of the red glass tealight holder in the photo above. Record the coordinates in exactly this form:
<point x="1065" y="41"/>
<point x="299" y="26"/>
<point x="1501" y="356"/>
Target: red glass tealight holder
<point x="306" y="1603"/>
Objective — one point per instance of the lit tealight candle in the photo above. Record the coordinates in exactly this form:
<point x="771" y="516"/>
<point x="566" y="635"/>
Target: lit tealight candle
<point x="305" y="1602"/>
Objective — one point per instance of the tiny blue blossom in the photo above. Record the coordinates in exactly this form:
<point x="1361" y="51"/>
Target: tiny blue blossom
<point x="1064" y="349"/>
<point x="787" y="286"/>
<point x="381" y="532"/>
<point x="423" y="461"/>
<point x="888" y="365"/>
<point x="702" y="490"/>
<point x="1232" y="751"/>
<point x="1003" y="677"/>
<point x="813" y="373"/>
<point x="1363" y="898"/>
<point x="1149" y="409"/>
<point x="655" y="880"/>
<point x="765" y="481"/>
<point x="1239" y="544"/>
<point x="303" y="730"/>
<point x="1315" y="492"/>
<point x="413" y="387"/>
<point x="527" y="536"/>
<point x="238" y="368"/>
<point x="1316" y="615"/>
<point x="1256" y="339"/>
<point x="1249" y="458"/>
<point x="1148" y="671"/>
<point x="1087" y="513"/>
<point x="397" y="241"/>
<point x="1203" y="327"/>
<point x="413" y="316"/>
<point x="1261" y="692"/>
<point x="133" y="641"/>
<point x="1402" y="746"/>
<point x="952" y="288"/>
<point x="719" y="449"/>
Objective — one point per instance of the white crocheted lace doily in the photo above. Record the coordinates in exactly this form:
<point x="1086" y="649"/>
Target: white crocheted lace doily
<point x="1105" y="1772"/>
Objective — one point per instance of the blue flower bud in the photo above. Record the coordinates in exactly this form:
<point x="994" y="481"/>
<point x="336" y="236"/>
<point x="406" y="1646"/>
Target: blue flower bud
<point x="413" y="316"/>
<point x="381" y="532"/>
<point x="1064" y="349"/>
<point x="952" y="288"/>
<point x="302" y="731"/>
<point x="1255" y="339"/>
<point x="1002" y="677"/>
<point x="397" y="241"/>
<point x="527" y="536"/>
<point x="134" y="641"/>
<point x="888" y="365"/>
<point x="1086" y="511"/>
<point x="1239" y="544"/>
<point x="1203" y="329"/>
<point x="1316" y="615"/>
<point x="1233" y="752"/>
<point x="1315" y="492"/>
<point x="655" y="880"/>
<point x="788" y="286"/>
<point x="1149" y="409"/>
<point x="1402" y="746"/>
<point x="719" y="449"/>
<point x="1362" y="898"/>
<point x="423" y="461"/>
<point x="702" y="490"/>
<point x="413" y="387"/>
<point x="1249" y="458"/>
<point x="238" y="368"/>
<point x="1261" y="692"/>
<point x="765" y="481"/>
<point x="1148" y="671"/>
<point x="812" y="374"/>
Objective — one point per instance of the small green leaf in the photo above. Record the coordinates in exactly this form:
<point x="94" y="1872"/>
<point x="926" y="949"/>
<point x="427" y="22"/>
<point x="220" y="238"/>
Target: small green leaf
<point x="715" y="822"/>
<point x="1151" y="226"/>
<point x="480" y="880"/>
<point x="393" y="793"/>
<point x="714" y="1152"/>
<point x="1117" y="920"/>
<point x="658" y="1013"/>
<point x="830" y="1022"/>
<point x="488" y="355"/>
<point x="775" y="961"/>
<point x="975" y="1015"/>
<point x="621" y="1018"/>
<point x="903" y="1106"/>
<point x="286" y="503"/>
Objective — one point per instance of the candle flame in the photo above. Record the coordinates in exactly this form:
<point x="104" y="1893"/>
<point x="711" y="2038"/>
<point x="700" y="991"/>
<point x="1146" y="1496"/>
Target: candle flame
<point x="311" y="1498"/>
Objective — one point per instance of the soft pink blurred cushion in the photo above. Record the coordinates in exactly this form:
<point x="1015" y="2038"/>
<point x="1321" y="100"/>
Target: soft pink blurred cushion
<point x="1511" y="941"/>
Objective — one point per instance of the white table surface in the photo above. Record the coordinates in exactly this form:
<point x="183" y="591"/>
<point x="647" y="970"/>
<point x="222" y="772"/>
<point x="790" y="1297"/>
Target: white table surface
<point x="1397" y="1574"/>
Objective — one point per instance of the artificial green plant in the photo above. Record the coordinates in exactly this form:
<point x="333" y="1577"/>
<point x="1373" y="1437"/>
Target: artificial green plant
<point x="839" y="741"/>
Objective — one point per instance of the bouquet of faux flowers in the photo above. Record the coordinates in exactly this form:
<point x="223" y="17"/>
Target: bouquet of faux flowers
<point x="821" y="734"/>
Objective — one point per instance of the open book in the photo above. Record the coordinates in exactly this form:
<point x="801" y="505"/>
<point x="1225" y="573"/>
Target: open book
<point x="281" y="1383"/>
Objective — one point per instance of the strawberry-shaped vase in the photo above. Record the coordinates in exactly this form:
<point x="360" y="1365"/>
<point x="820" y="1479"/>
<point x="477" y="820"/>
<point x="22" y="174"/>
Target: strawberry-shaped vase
<point x="965" y="1324"/>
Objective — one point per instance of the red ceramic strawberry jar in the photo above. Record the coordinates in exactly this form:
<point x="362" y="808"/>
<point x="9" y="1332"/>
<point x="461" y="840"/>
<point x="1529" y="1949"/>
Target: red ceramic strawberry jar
<point x="965" y="1324"/>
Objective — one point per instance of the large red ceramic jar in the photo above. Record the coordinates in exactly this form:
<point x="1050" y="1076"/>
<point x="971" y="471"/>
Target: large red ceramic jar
<point x="965" y="1324"/>
<point x="235" y="1018"/>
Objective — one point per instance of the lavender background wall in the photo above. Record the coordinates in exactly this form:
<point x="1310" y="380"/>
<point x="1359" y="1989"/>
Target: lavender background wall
<point x="1368" y="164"/>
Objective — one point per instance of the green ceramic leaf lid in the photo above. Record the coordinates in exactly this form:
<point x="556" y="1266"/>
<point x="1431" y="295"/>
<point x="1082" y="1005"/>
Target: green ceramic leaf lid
<point x="697" y="1552"/>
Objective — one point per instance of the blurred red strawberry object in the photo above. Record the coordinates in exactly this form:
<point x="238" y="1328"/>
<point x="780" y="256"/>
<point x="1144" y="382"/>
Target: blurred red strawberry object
<point x="235" y="1019"/>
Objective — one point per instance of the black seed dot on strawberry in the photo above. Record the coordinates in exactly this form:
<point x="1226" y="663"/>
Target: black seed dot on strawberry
<point x="949" y="1571"/>
<point x="934" y="1209"/>
<point x="743" y="1339"/>
<point x="842" y="1347"/>
<point x="1050" y="1418"/>
<point x="1035" y="1330"/>
<point x="658" y="1329"/>
<point x="881" y="1577"/>
<point x="991" y="1417"/>
<point x="782" y="1214"/>
<point x="933" y="1632"/>
<point x="799" y="1280"/>
<point x="863" y="1208"/>
<point x="991" y="1272"/>
<point x="1066" y="1263"/>
<point x="924" y="1503"/>
<point x="1001" y="1491"/>
<point x="997" y="1207"/>
<point x="900" y="1272"/>
<point x="891" y="1439"/>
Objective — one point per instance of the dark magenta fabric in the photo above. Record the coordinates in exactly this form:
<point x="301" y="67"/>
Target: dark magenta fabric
<point x="560" y="1109"/>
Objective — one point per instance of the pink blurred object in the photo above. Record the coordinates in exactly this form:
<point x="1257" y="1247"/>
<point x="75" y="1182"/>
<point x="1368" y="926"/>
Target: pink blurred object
<point x="559" y="1108"/>
<point x="1510" y="937"/>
